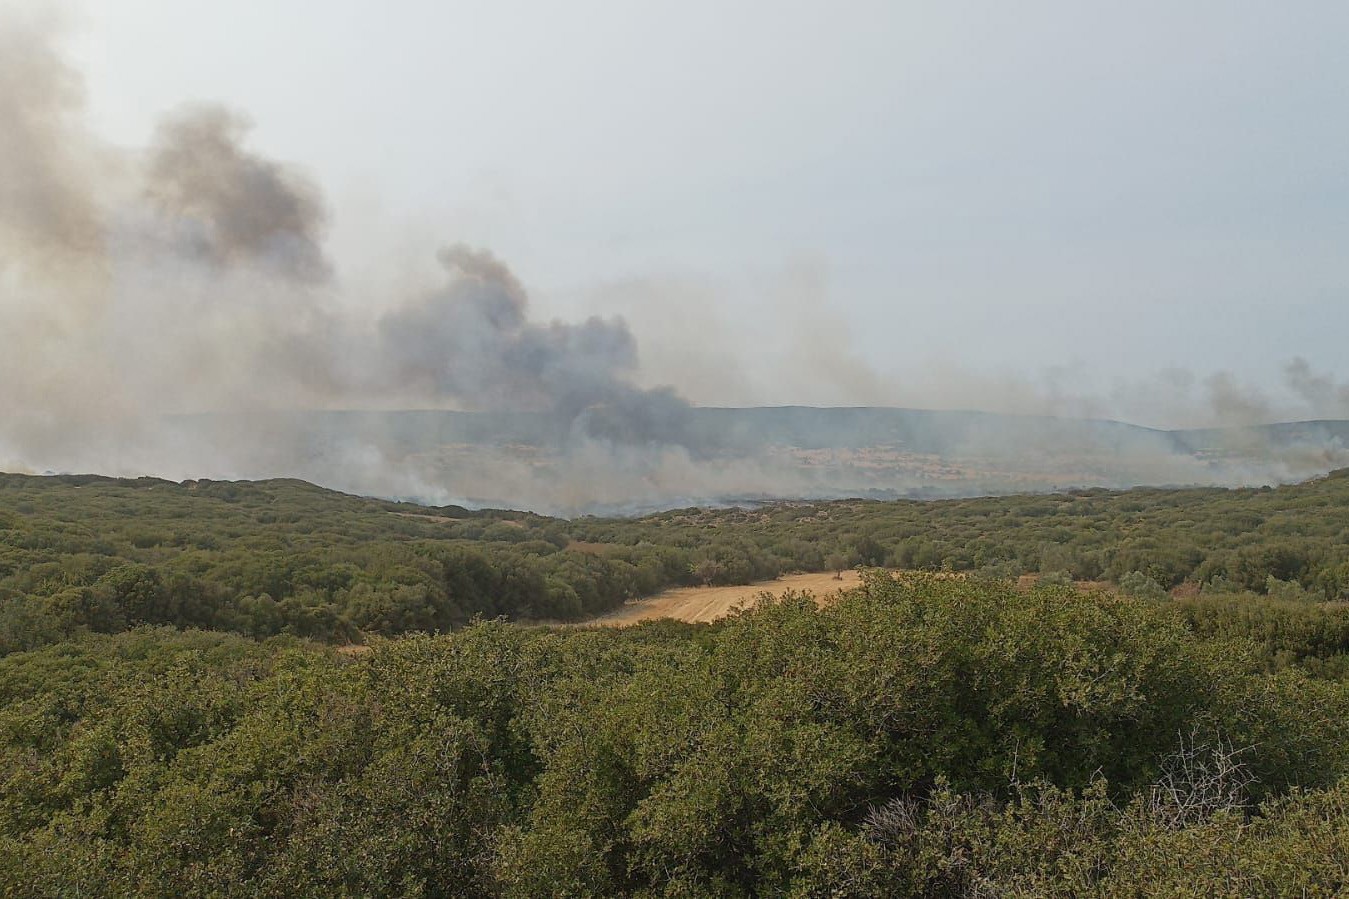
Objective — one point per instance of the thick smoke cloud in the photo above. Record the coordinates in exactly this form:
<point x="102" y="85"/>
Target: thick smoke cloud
<point x="191" y="277"/>
<point x="472" y="340"/>
<point x="229" y="206"/>
<point x="172" y="311"/>
<point x="43" y="169"/>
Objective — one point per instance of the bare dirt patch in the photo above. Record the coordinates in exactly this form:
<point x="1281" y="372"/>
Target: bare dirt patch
<point x="711" y="603"/>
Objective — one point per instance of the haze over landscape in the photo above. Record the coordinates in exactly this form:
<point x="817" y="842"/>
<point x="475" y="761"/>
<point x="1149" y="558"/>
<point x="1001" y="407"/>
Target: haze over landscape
<point x="188" y="293"/>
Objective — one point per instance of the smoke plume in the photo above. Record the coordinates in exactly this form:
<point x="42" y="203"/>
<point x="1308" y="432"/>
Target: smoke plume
<point x="227" y="206"/>
<point x="472" y="341"/>
<point x="172" y="310"/>
<point x="152" y="286"/>
<point x="44" y="164"/>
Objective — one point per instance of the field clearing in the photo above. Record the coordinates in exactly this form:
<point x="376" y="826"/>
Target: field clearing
<point x="710" y="603"/>
<point x="704" y="604"/>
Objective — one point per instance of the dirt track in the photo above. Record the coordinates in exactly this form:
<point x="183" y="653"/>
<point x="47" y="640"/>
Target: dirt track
<point x="711" y="603"/>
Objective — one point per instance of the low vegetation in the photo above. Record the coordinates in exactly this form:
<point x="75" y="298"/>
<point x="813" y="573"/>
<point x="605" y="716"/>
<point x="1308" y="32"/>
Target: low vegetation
<point x="175" y="722"/>
<point x="923" y="736"/>
<point x="86" y="554"/>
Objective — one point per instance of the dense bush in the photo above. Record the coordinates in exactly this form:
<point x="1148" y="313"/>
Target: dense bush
<point x="922" y="736"/>
<point x="85" y="554"/>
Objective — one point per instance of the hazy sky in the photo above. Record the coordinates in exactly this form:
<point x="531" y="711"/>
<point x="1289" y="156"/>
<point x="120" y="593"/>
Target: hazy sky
<point x="914" y="200"/>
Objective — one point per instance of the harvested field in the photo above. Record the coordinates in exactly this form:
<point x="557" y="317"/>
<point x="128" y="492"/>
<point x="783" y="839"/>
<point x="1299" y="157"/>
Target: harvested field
<point x="711" y="603"/>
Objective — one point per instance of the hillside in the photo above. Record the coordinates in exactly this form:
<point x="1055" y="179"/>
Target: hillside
<point x="613" y="461"/>
<point x="81" y="553"/>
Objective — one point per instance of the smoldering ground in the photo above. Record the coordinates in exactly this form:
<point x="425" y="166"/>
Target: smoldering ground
<point x="173" y="310"/>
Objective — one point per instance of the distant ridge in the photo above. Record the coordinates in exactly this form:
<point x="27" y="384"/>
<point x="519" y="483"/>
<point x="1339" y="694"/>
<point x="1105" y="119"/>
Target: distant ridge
<point x="810" y="427"/>
<point x="600" y="461"/>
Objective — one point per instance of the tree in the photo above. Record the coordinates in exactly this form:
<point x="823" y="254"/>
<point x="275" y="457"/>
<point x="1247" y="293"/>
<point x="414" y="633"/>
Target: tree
<point x="707" y="571"/>
<point x="869" y="551"/>
<point x="1139" y="585"/>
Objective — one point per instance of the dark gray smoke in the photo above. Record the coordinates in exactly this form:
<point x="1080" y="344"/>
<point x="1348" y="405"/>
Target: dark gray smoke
<point x="472" y="341"/>
<point x="230" y="206"/>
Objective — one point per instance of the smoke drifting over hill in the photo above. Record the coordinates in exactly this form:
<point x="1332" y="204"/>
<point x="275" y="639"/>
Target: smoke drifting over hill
<point x="230" y="206"/>
<point x="141" y="290"/>
<point x="472" y="342"/>
<point x="191" y="276"/>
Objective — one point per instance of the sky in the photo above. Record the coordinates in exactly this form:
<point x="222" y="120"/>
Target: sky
<point x="899" y="203"/>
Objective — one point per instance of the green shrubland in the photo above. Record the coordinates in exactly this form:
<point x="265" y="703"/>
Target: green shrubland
<point x="98" y="555"/>
<point x="175" y="721"/>
<point x="923" y="736"/>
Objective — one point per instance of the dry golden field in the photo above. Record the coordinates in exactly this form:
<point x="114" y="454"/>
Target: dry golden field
<point x="711" y="603"/>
